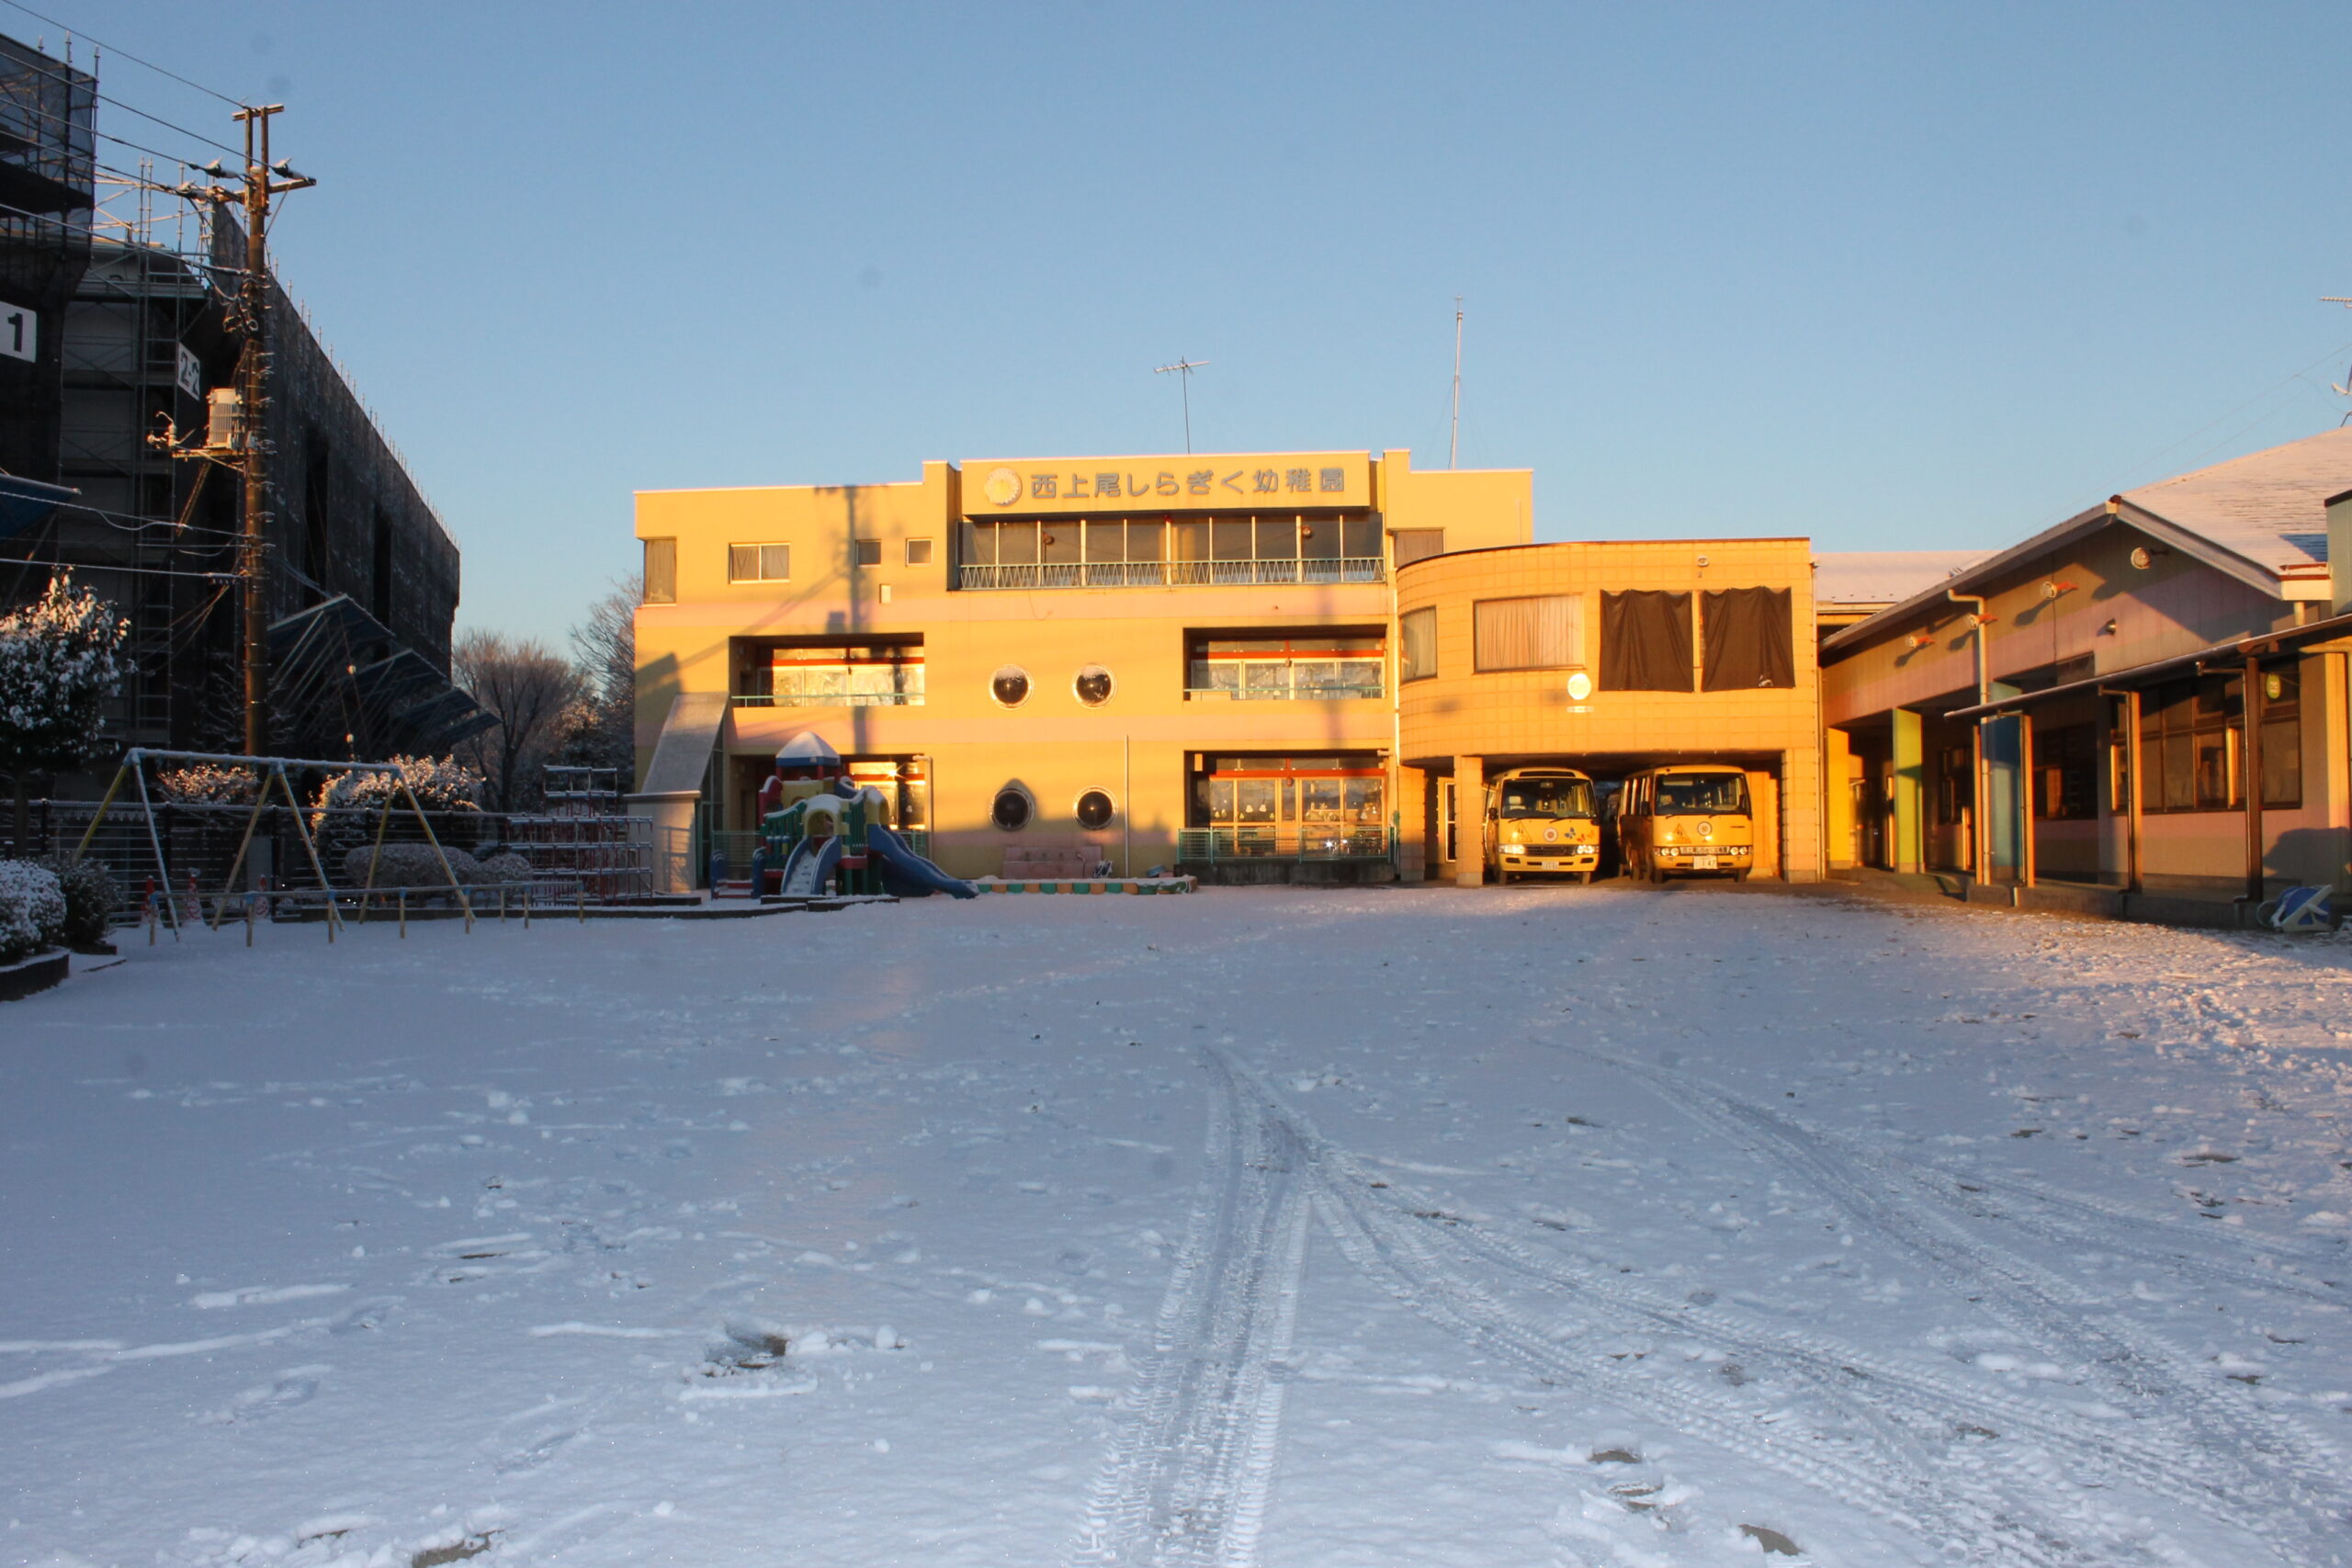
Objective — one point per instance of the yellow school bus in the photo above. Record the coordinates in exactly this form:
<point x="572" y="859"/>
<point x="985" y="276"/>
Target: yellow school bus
<point x="1686" y="818"/>
<point x="1542" y="822"/>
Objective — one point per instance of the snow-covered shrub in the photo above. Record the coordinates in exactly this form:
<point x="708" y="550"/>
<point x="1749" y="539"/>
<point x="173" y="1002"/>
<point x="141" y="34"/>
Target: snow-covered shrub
<point x="32" y="910"/>
<point x="349" y="804"/>
<point x="60" y="658"/>
<point x="90" y="895"/>
<point x="505" y="866"/>
<point x="207" y="783"/>
<point x="440" y="784"/>
<point x="408" y="866"/>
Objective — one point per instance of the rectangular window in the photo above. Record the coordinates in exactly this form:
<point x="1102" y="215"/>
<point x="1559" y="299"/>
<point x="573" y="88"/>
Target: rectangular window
<point x="1955" y="783"/>
<point x="1645" y="641"/>
<point x="2065" y="773"/>
<point x="918" y="552"/>
<point x="1418" y="544"/>
<point x="869" y="552"/>
<point x="1277" y="667"/>
<point x="833" y="674"/>
<point x="1058" y="543"/>
<point x="1106" y="541"/>
<point x="2192" y="743"/>
<point x="1544" y="633"/>
<point x="2283" y="737"/>
<point x="759" y="563"/>
<point x="1416" y="644"/>
<point x="661" y="571"/>
<point x="1748" y="639"/>
<point x="1330" y="806"/>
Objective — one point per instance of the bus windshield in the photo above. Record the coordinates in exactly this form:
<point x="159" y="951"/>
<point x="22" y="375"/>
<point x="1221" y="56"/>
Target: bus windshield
<point x="1547" y="798"/>
<point x="1701" y="794"/>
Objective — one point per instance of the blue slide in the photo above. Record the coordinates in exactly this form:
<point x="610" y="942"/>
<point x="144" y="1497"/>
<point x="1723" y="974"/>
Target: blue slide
<point x="907" y="873"/>
<point x="811" y="861"/>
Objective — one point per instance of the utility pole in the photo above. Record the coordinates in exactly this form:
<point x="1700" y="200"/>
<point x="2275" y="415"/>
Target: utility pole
<point x="247" y="446"/>
<point x="1454" y="436"/>
<point x="1183" y="369"/>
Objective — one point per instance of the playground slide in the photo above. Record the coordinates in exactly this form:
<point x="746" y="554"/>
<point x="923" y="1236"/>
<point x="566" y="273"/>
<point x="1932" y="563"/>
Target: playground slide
<point x="907" y="873"/>
<point x="811" y="861"/>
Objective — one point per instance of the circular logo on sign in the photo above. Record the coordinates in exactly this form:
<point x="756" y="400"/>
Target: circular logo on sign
<point x="1003" y="487"/>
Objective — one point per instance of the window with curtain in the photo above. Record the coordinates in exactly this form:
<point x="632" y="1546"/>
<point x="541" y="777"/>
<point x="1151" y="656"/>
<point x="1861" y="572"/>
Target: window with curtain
<point x="1543" y="633"/>
<point x="1748" y="639"/>
<point x="1646" y="641"/>
<point x="1419" y="544"/>
<point x="661" y="571"/>
<point x="1416" y="644"/>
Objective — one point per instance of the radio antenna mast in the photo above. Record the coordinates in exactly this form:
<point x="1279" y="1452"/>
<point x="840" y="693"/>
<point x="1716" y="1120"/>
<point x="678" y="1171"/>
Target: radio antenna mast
<point x="1183" y="368"/>
<point x="1453" y="439"/>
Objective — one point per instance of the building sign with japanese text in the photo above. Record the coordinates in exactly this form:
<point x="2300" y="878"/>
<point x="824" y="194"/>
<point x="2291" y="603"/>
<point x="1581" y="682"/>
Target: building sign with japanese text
<point x="1199" y="481"/>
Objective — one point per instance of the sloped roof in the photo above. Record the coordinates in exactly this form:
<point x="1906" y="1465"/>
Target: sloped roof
<point x="2270" y="507"/>
<point x="2261" y="518"/>
<point x="1883" y="577"/>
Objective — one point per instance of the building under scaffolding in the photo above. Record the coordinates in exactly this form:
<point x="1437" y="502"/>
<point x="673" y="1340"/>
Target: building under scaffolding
<point x="134" y="292"/>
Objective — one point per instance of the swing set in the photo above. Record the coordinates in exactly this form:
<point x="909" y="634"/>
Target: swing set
<point x="270" y="770"/>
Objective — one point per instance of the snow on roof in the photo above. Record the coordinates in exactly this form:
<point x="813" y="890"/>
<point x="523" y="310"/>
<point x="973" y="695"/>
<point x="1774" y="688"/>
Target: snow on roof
<point x="1883" y="577"/>
<point x="2270" y="507"/>
<point x="808" y="747"/>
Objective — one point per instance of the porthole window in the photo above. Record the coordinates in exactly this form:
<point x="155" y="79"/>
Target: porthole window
<point x="1011" y="810"/>
<point x="1095" y="809"/>
<point x="1092" y="685"/>
<point x="1010" y="685"/>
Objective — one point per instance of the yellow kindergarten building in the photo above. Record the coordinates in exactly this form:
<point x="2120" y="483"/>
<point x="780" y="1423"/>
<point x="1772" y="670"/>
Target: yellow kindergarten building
<point x="1256" y="666"/>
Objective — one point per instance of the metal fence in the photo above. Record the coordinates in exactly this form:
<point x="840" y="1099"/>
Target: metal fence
<point x="1289" y="841"/>
<point x="186" y="851"/>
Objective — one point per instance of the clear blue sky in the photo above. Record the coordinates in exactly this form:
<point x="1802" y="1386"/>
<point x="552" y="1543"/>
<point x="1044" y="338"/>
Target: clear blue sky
<point x="1888" y="276"/>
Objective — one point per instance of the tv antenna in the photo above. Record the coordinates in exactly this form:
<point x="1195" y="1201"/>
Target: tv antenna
<point x="2345" y="390"/>
<point x="1183" y="368"/>
<point x="1454" y="436"/>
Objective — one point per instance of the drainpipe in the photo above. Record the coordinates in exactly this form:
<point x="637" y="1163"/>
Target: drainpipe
<point x="1981" y="851"/>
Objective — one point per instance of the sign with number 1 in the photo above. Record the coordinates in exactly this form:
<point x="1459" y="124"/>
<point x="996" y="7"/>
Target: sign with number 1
<point x="19" y="331"/>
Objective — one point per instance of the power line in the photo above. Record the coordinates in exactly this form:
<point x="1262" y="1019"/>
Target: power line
<point x="110" y="49"/>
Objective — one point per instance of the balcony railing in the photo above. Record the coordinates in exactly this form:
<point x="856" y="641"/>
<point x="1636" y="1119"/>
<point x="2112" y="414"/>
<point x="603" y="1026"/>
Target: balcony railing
<point x="1300" y="692"/>
<point x="1301" y="840"/>
<point x="827" y="699"/>
<point x="1173" y="574"/>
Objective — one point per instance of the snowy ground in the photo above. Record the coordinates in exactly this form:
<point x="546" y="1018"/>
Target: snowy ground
<point x="1596" y="1227"/>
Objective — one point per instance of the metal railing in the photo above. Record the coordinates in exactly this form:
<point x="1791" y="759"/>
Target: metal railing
<point x="1291" y="693"/>
<point x="1305" y="840"/>
<point x="828" y="699"/>
<point x="1172" y="574"/>
<point x="604" y="859"/>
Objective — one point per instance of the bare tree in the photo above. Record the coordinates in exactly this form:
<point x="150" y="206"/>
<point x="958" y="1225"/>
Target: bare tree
<point x="527" y="687"/>
<point x="602" y="728"/>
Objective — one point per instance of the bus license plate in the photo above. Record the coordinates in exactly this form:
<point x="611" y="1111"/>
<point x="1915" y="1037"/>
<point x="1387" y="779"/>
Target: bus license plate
<point x="1703" y="862"/>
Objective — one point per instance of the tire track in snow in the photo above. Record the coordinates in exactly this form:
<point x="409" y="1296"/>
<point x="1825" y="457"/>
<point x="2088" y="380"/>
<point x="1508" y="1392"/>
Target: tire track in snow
<point x="1188" y="1481"/>
<point x="2234" y="1461"/>
<point x="1891" y="1459"/>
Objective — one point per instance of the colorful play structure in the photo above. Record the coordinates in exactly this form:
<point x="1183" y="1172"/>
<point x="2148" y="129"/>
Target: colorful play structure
<point x="821" y="833"/>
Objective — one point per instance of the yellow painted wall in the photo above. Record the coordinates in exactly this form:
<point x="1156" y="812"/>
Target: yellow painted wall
<point x="1052" y="745"/>
<point x="1522" y="716"/>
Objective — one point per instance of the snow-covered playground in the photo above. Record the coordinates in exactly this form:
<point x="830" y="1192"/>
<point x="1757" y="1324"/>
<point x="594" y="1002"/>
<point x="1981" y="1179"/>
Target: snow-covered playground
<point x="1582" y="1226"/>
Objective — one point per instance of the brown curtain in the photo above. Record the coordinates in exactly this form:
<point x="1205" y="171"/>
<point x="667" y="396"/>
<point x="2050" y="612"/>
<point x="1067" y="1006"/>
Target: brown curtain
<point x="1645" y="641"/>
<point x="1747" y="633"/>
